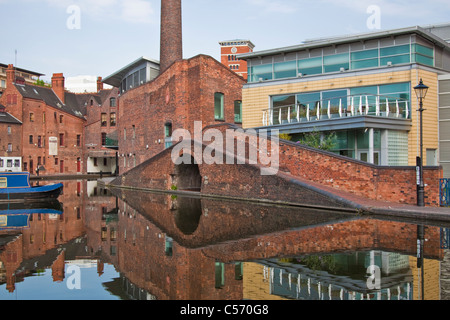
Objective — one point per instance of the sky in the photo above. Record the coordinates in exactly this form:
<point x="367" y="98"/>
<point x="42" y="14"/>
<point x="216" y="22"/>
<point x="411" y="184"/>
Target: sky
<point x="85" y="39"/>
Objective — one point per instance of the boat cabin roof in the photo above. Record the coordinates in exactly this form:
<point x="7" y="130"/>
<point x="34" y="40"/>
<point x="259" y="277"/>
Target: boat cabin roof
<point x="14" y="180"/>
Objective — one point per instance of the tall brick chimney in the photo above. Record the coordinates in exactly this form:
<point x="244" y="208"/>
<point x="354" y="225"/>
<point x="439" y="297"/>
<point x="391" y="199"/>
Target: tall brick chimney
<point x="58" y="85"/>
<point x="10" y="75"/>
<point x="99" y="84"/>
<point x="171" y="47"/>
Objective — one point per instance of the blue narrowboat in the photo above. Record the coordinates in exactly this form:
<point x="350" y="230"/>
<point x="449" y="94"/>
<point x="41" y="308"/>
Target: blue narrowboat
<point x="15" y="187"/>
<point x="17" y="215"/>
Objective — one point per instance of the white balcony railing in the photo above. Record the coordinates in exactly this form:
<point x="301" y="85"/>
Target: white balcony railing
<point x="336" y="108"/>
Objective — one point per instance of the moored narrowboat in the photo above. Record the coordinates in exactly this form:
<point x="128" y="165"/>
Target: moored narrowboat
<point x="15" y="187"/>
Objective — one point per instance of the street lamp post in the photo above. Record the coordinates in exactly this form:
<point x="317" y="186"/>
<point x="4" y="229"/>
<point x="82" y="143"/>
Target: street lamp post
<point x="421" y="91"/>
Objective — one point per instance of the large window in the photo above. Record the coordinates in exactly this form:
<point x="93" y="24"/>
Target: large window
<point x="134" y="80"/>
<point x="310" y="66"/>
<point x="355" y="60"/>
<point x="423" y="55"/>
<point x="395" y="55"/>
<point x="263" y="72"/>
<point x="337" y="62"/>
<point x="285" y="70"/>
<point x="219" y="106"/>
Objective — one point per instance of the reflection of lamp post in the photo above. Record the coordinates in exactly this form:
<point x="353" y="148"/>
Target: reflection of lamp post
<point x="421" y="92"/>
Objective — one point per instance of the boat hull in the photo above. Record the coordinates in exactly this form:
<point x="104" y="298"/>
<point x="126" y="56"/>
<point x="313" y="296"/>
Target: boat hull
<point x="31" y="193"/>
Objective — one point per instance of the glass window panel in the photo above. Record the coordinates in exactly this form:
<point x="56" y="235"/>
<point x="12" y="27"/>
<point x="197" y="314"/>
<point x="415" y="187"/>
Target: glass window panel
<point x="218" y="106"/>
<point x="397" y="50"/>
<point x="424" y="50"/>
<point x="364" y="90"/>
<point x="366" y="54"/>
<point x="395" y="60"/>
<point x="285" y="70"/>
<point x="377" y="139"/>
<point x="363" y="139"/>
<point x="334" y="96"/>
<point x="336" y="62"/>
<point x="143" y="76"/>
<point x="423" y="60"/>
<point x="281" y="101"/>
<point x="310" y="66"/>
<point x="238" y="111"/>
<point x="263" y="72"/>
<point x="135" y="79"/>
<point x="308" y="98"/>
<point x="365" y="64"/>
<point x="394" y="88"/>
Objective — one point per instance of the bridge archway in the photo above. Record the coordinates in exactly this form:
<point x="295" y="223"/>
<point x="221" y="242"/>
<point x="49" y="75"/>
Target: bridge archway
<point x="187" y="176"/>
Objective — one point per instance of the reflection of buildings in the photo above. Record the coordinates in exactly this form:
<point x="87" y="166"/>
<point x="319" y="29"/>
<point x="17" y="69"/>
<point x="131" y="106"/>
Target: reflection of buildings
<point x="332" y="277"/>
<point x="44" y="241"/>
<point x="173" y="259"/>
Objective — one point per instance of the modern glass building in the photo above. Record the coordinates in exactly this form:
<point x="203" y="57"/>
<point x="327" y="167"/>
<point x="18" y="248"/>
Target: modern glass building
<point x="360" y="87"/>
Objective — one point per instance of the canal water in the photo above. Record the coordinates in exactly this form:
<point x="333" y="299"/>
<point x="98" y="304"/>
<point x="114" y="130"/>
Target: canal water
<point x="99" y="244"/>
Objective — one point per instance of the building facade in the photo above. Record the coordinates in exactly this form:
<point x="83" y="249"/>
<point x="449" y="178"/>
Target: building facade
<point x="100" y="131"/>
<point x="52" y="125"/>
<point x="360" y="87"/>
<point x="198" y="89"/>
<point x="10" y="142"/>
<point x="229" y="51"/>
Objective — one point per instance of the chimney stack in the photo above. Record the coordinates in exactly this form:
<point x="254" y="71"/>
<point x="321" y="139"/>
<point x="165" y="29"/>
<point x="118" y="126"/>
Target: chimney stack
<point x="171" y="46"/>
<point x="10" y="75"/>
<point x="99" y="84"/>
<point x="58" y="86"/>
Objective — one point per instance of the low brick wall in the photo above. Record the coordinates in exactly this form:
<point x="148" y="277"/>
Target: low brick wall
<point x="394" y="184"/>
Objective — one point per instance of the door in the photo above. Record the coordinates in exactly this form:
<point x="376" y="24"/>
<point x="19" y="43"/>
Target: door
<point x="78" y="165"/>
<point x="61" y="166"/>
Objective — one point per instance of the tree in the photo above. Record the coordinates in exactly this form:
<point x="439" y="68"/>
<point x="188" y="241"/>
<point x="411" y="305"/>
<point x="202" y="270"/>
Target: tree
<point x="316" y="140"/>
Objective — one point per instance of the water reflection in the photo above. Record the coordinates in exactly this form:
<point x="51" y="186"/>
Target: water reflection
<point x="161" y="246"/>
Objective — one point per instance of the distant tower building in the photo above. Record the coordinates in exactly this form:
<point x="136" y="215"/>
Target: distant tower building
<point x="230" y="50"/>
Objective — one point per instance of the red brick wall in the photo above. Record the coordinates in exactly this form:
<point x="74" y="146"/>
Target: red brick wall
<point x="396" y="184"/>
<point x="14" y="138"/>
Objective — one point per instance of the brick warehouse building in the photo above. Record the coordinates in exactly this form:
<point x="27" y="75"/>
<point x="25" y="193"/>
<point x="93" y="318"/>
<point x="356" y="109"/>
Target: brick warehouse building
<point x="100" y="130"/>
<point x="60" y="132"/>
<point x="186" y="90"/>
<point x="52" y="124"/>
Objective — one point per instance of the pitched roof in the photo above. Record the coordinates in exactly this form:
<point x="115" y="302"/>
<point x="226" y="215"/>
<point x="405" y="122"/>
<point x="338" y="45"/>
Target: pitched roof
<point x="48" y="96"/>
<point x="5" y="117"/>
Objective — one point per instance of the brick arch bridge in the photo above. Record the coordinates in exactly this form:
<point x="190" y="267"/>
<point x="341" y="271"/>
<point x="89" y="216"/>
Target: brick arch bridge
<point x="304" y="176"/>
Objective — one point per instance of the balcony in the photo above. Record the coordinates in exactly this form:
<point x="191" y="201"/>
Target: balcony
<point x="353" y="111"/>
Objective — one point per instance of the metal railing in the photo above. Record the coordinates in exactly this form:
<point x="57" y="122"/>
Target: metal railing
<point x="340" y="107"/>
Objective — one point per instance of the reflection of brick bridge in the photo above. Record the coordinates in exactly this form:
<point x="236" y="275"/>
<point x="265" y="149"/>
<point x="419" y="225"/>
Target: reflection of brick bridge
<point x="206" y="231"/>
<point x="239" y="231"/>
<point x="306" y="176"/>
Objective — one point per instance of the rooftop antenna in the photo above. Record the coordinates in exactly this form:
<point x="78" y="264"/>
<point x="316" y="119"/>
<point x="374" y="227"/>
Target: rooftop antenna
<point x="15" y="59"/>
